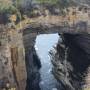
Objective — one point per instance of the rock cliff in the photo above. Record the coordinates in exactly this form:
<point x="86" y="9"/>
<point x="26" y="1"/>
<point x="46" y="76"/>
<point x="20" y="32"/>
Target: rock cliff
<point x="12" y="59"/>
<point x="71" y="62"/>
<point x="33" y="65"/>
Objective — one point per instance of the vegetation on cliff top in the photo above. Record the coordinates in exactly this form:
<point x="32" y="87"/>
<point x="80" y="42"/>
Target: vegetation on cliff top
<point x="9" y="6"/>
<point x="22" y="8"/>
<point x="6" y="6"/>
<point x="60" y="3"/>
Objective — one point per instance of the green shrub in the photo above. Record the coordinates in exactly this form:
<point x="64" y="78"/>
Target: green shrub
<point x="6" y="6"/>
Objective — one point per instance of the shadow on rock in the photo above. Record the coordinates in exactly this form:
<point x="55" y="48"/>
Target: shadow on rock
<point x="33" y="65"/>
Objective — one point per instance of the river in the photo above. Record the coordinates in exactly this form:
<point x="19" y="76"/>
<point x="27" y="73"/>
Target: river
<point x="44" y="43"/>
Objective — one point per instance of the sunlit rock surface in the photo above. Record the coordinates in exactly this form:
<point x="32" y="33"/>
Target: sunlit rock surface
<point x="12" y="60"/>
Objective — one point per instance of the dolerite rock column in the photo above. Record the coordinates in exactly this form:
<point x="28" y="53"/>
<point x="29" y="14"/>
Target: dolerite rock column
<point x="72" y="61"/>
<point x="12" y="59"/>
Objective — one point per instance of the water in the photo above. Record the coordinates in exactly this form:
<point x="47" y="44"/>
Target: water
<point x="44" y="43"/>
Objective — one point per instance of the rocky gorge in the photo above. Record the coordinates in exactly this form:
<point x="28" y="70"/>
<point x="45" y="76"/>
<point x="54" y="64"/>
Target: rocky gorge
<point x="70" y="62"/>
<point x="20" y="64"/>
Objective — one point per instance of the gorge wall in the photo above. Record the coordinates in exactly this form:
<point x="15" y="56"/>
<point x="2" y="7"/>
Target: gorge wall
<point x="71" y="62"/>
<point x="19" y="63"/>
<point x="33" y="65"/>
<point x="32" y="61"/>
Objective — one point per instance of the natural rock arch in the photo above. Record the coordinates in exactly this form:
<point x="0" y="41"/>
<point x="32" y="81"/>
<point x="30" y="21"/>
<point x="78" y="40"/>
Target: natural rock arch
<point x="76" y="43"/>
